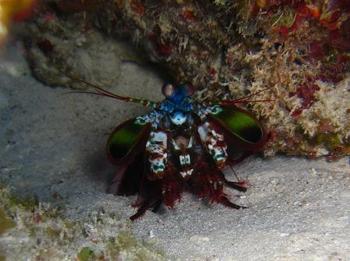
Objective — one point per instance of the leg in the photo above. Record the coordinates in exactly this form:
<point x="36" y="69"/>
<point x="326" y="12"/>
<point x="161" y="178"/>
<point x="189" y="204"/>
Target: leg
<point x="211" y="187"/>
<point x="240" y="185"/>
<point x="226" y="202"/>
<point x="157" y="206"/>
<point x="141" y="210"/>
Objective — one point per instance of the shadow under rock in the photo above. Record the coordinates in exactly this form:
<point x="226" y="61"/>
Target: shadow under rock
<point x="98" y="168"/>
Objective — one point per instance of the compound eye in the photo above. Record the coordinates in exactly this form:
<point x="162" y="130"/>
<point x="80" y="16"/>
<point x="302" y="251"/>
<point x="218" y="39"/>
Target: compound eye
<point x="168" y="89"/>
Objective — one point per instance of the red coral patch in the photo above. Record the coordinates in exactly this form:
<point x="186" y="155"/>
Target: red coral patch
<point x="137" y="7"/>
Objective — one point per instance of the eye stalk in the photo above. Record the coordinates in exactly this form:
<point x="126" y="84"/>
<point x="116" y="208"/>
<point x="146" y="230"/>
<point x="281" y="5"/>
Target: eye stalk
<point x="168" y="90"/>
<point x="185" y="89"/>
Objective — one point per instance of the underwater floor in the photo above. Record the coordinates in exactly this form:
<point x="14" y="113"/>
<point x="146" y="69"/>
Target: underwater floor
<point x="52" y="147"/>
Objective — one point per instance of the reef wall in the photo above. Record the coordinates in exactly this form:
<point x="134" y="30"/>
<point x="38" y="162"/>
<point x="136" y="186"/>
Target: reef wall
<point x="293" y="57"/>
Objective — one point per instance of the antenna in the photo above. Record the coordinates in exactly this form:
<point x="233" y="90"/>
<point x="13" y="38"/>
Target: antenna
<point x="245" y="99"/>
<point x="102" y="92"/>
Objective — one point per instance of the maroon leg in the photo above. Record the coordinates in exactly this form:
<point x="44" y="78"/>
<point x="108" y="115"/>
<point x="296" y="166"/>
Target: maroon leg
<point x="149" y="197"/>
<point x="240" y="185"/>
<point x="140" y="211"/>
<point x="226" y="202"/>
<point x="210" y="186"/>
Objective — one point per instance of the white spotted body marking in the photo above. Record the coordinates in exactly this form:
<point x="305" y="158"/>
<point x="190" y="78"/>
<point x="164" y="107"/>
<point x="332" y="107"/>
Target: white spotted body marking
<point x="214" y="142"/>
<point x="182" y="147"/>
<point x="156" y="148"/>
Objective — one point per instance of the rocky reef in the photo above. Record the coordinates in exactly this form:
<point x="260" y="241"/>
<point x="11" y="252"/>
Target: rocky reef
<point x="292" y="57"/>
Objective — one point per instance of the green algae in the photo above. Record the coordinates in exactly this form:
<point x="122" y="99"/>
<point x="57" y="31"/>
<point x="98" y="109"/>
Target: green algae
<point x="285" y="17"/>
<point x="125" y="240"/>
<point x="86" y="254"/>
<point x="27" y="203"/>
<point x="10" y="201"/>
<point x="53" y="232"/>
<point x="5" y="222"/>
<point x="125" y="244"/>
<point x="331" y="140"/>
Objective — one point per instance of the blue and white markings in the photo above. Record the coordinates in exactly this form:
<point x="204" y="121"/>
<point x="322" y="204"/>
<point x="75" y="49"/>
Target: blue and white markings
<point x="156" y="147"/>
<point x="177" y="107"/>
<point x="178" y="118"/>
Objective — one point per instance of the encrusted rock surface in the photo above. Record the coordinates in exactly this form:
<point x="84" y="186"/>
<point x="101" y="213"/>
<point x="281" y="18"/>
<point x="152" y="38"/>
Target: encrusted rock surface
<point x="292" y="55"/>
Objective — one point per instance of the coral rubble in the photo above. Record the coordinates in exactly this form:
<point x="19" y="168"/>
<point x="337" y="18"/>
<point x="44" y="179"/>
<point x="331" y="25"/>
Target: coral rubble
<point x="293" y="55"/>
<point x="36" y="231"/>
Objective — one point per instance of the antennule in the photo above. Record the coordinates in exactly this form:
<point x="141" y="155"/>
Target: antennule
<point x="102" y="92"/>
